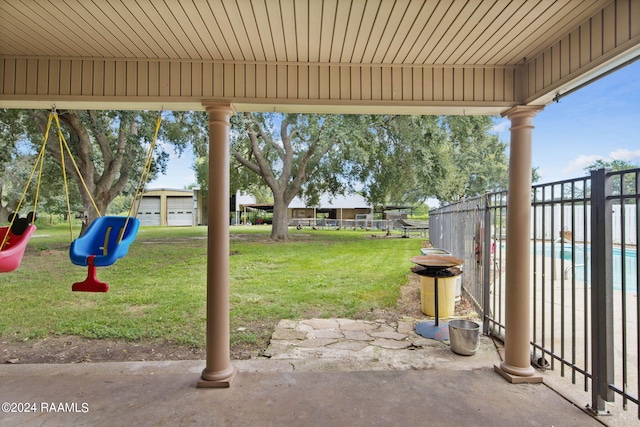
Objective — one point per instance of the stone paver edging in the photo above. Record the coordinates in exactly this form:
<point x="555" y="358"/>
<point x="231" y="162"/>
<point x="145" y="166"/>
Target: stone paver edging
<point x="352" y="345"/>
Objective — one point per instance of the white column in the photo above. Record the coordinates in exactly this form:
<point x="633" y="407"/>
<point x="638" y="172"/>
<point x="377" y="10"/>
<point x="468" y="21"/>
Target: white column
<point x="516" y="366"/>
<point x="218" y="371"/>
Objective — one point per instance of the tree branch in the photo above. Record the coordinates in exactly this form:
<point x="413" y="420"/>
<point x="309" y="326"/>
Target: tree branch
<point x="245" y="162"/>
<point x="84" y="150"/>
<point x="267" y="139"/>
<point x="302" y="166"/>
<point x="264" y="169"/>
<point x="53" y="147"/>
<point x="101" y="138"/>
<point x="287" y="157"/>
<point x="115" y="165"/>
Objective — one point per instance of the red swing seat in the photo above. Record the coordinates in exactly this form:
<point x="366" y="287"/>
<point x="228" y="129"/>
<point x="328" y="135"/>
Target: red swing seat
<point x="13" y="249"/>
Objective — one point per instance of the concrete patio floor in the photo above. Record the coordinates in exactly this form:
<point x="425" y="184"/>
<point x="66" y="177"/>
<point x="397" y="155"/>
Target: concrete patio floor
<point x="300" y="384"/>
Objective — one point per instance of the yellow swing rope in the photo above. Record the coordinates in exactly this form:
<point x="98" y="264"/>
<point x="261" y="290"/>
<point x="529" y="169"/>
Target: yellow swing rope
<point x="143" y="176"/>
<point x="40" y="160"/>
<point x="63" y="144"/>
<point x="64" y="177"/>
<point x="62" y="141"/>
<point x="147" y="166"/>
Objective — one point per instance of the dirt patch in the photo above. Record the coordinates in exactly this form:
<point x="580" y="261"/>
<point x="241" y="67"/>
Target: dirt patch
<point x="72" y="349"/>
<point x="409" y="305"/>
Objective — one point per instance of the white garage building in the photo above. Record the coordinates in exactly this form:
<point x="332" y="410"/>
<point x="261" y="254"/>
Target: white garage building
<point x="168" y="207"/>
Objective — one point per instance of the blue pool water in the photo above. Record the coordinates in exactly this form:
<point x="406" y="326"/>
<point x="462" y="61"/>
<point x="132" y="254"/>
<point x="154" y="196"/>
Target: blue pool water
<point x="583" y="263"/>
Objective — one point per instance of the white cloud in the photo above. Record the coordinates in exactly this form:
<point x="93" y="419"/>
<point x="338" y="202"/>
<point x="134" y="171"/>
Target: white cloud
<point x="169" y="148"/>
<point x="579" y="163"/>
<point x="543" y="174"/>
<point x="625" y="154"/>
<point x="501" y="126"/>
<point x="582" y="161"/>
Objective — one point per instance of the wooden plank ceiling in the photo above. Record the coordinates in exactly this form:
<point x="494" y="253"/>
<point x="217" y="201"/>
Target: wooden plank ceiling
<point x="415" y="32"/>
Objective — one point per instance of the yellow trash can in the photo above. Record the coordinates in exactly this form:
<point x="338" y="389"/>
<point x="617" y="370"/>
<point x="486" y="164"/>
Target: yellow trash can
<point x="446" y="296"/>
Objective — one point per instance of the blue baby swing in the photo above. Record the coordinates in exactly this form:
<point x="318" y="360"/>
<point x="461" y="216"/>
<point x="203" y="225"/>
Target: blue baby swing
<point x="108" y="237"/>
<point x="105" y="241"/>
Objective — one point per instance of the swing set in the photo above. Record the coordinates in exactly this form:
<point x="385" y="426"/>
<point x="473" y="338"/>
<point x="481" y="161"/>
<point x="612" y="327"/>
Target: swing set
<point x="105" y="241"/>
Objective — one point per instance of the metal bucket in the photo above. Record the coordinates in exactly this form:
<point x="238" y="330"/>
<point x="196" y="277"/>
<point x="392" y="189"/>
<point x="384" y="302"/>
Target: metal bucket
<point x="464" y="337"/>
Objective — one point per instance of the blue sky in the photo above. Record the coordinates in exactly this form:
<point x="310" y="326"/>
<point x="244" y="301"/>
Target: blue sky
<point x="180" y="172"/>
<point x="599" y="121"/>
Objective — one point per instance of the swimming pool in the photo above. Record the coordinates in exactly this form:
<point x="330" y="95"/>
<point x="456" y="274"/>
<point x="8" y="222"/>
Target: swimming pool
<point x="583" y="264"/>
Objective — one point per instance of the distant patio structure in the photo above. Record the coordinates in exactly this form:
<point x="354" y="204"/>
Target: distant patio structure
<point x="336" y="210"/>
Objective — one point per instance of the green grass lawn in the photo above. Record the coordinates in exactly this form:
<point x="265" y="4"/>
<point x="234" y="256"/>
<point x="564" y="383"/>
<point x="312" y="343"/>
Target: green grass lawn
<point x="158" y="291"/>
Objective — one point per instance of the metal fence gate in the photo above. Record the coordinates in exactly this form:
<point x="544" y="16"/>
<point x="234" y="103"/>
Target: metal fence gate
<point x="584" y="275"/>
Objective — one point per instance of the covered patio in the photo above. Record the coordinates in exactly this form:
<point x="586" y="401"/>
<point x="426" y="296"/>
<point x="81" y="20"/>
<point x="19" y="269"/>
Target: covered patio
<point x="501" y="57"/>
<point x="266" y="392"/>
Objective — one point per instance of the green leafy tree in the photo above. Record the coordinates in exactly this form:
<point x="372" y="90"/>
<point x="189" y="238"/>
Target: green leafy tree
<point x="389" y="159"/>
<point x="18" y="156"/>
<point x="447" y="157"/>
<point x="479" y="161"/>
<point x="615" y="165"/>
<point x="191" y="128"/>
<point x="109" y="148"/>
<point x="535" y="175"/>
<point x="629" y="185"/>
<point x="119" y="205"/>
<point x="421" y="211"/>
<point x="405" y="162"/>
<point x="295" y="154"/>
<point x="15" y="162"/>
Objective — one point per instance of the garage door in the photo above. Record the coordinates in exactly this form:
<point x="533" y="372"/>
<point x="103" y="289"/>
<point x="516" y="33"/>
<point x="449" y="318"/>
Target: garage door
<point x="149" y="211"/>
<point x="179" y="211"/>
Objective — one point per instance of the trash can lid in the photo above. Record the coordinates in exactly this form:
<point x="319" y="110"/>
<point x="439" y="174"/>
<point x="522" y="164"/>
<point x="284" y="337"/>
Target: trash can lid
<point x="434" y="260"/>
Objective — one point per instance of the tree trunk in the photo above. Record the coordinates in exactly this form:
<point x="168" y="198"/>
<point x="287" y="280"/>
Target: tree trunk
<point x="4" y="213"/>
<point x="280" y="226"/>
<point x="4" y="210"/>
<point x="90" y="213"/>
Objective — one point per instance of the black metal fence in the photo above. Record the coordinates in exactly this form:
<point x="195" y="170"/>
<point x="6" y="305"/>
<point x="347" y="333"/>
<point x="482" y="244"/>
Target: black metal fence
<point x="584" y="275"/>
